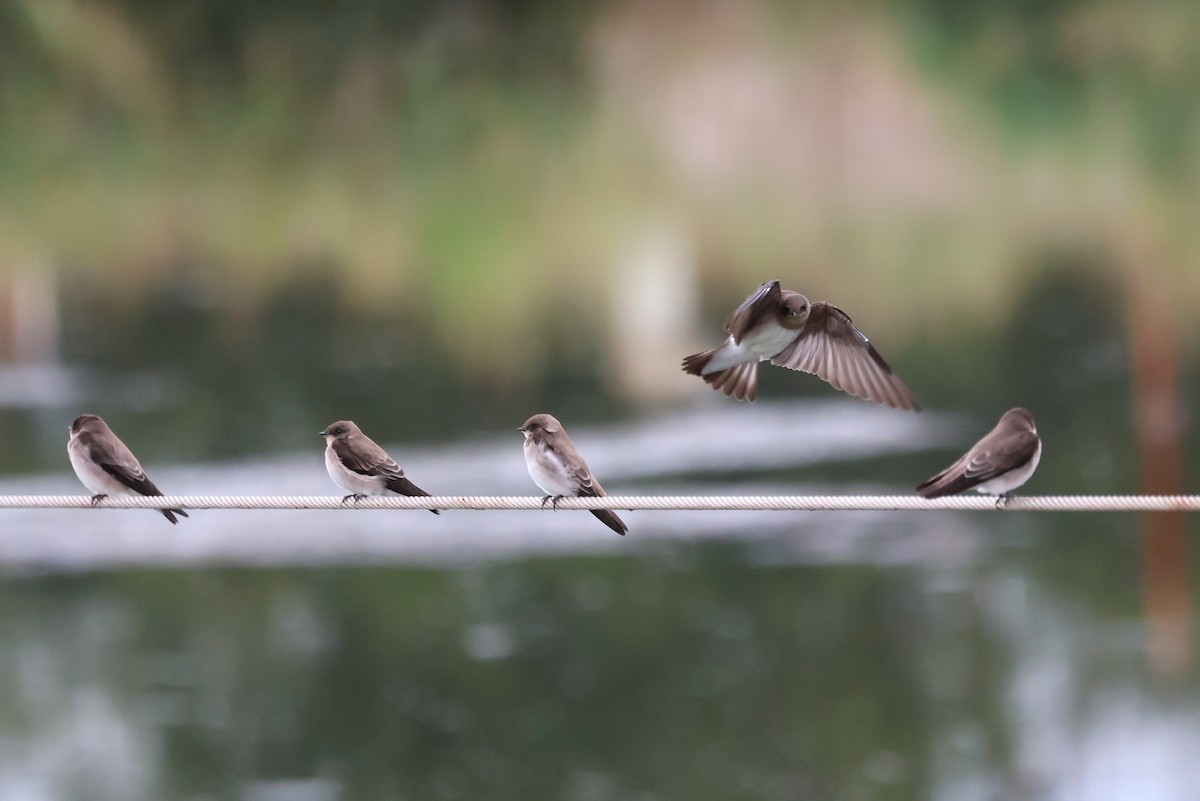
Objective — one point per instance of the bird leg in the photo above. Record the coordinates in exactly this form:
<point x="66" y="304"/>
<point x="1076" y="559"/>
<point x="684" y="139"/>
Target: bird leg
<point x="553" y="500"/>
<point x="99" y="496"/>
<point x="1002" y="500"/>
<point x="355" y="495"/>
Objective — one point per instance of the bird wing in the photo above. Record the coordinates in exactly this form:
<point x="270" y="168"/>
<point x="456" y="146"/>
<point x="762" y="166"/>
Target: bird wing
<point x="992" y="456"/>
<point x="119" y="462"/>
<point x="830" y="347"/>
<point x="564" y="450"/>
<point x="365" y="457"/>
<point x="753" y="308"/>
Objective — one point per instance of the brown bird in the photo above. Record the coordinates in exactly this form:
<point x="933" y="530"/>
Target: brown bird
<point x="999" y="463"/>
<point x="106" y="466"/>
<point x="556" y="466"/>
<point x="813" y="337"/>
<point x="357" y="464"/>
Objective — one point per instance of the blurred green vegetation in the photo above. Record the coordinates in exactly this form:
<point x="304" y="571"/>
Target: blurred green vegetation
<point x="268" y="216"/>
<point x="485" y="161"/>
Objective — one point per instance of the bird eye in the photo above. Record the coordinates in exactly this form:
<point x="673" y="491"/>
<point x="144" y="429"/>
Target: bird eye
<point x="533" y="426"/>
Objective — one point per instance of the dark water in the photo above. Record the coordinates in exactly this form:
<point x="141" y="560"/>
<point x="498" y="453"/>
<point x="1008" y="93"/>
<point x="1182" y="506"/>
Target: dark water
<point x="1017" y="669"/>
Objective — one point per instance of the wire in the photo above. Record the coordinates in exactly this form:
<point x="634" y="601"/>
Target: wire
<point x="912" y="503"/>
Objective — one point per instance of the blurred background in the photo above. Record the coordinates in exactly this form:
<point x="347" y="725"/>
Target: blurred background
<point x="224" y="225"/>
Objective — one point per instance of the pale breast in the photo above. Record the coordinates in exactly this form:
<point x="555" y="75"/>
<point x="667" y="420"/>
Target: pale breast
<point x="93" y="475"/>
<point x="547" y="470"/>
<point x="768" y="340"/>
<point x="349" y="480"/>
<point x="758" y="345"/>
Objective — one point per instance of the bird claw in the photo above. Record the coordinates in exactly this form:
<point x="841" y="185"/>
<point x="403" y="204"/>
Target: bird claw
<point x="99" y="496"/>
<point x="356" y="496"/>
<point x="553" y="501"/>
<point x="1002" y="501"/>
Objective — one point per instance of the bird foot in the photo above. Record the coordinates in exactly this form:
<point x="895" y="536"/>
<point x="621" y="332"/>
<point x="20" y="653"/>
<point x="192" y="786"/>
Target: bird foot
<point x="1002" y="500"/>
<point x="355" y="495"/>
<point x="552" y="500"/>
<point x="99" y="496"/>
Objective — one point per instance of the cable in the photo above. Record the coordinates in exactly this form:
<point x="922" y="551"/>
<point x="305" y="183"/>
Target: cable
<point x="1032" y="503"/>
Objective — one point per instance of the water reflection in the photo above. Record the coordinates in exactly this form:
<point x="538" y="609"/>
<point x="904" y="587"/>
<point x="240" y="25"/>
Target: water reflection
<point x="695" y="672"/>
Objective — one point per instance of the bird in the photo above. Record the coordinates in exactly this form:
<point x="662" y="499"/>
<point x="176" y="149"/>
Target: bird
<point x="357" y="464"/>
<point x="106" y="466"/>
<point x="815" y="337"/>
<point x="556" y="466"/>
<point x="996" y="465"/>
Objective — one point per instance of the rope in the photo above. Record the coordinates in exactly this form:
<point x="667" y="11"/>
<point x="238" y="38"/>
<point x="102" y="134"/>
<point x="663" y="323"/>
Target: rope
<point x="978" y="503"/>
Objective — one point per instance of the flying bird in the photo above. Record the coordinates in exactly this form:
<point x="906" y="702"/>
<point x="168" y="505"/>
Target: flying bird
<point x="556" y="466"/>
<point x="106" y="466"/>
<point x="785" y="328"/>
<point x="996" y="465"/>
<point x="358" y="465"/>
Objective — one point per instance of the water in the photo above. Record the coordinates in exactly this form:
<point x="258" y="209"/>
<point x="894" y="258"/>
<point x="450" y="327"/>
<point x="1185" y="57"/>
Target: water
<point x="700" y="671"/>
<point x="313" y="656"/>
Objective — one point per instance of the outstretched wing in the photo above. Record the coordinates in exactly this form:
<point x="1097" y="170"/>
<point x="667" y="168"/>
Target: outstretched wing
<point x="754" y="308"/>
<point x="831" y="348"/>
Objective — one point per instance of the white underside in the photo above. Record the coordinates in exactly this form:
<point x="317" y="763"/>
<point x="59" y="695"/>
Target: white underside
<point x="350" y="481"/>
<point x="1013" y="478"/>
<point x="93" y="475"/>
<point x="759" y="345"/>
<point x="547" y="471"/>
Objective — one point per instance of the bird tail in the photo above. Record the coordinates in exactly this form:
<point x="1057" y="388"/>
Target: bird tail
<point x="740" y="381"/>
<point x="695" y="364"/>
<point x="402" y="485"/>
<point x="943" y="484"/>
<point x="611" y="520"/>
<point x="170" y="514"/>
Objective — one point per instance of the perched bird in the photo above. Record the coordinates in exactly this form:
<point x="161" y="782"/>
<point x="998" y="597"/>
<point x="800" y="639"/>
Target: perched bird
<point x="999" y="463"/>
<point x="559" y="470"/>
<point x="784" y="327"/>
<point x="106" y="466"/>
<point x="357" y="464"/>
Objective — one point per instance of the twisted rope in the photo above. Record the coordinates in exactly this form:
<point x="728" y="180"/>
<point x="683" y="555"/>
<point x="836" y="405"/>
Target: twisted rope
<point x="977" y="503"/>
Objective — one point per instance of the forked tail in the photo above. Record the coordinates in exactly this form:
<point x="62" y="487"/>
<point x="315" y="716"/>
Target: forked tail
<point x="170" y="514"/>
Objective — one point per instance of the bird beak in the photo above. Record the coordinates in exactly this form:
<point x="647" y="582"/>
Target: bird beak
<point x="320" y="433"/>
